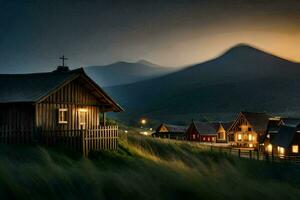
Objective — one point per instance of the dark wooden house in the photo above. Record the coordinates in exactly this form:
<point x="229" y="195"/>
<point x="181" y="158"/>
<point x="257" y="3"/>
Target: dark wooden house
<point x="201" y="132"/>
<point x="280" y="136"/>
<point x="247" y="129"/>
<point x="48" y="106"/>
<point x="170" y="131"/>
<point x="286" y="142"/>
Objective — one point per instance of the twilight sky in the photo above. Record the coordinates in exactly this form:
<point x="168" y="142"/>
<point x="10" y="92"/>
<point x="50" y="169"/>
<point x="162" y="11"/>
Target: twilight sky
<point x="34" y="33"/>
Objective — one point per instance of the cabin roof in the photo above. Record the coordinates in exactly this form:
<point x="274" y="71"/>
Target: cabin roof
<point x="173" y="128"/>
<point x="204" y="128"/>
<point x="290" y="121"/>
<point x="259" y="120"/>
<point x="31" y="88"/>
<point x="285" y="136"/>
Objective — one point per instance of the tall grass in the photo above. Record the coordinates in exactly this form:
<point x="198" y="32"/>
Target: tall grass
<point x="142" y="168"/>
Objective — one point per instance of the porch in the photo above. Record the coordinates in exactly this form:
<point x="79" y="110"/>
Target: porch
<point x="83" y="141"/>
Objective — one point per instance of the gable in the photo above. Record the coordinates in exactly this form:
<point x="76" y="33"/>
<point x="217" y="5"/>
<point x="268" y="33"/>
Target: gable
<point x="241" y="120"/>
<point x="82" y="91"/>
<point x="163" y="129"/>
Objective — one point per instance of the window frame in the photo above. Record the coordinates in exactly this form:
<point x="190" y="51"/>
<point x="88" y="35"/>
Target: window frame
<point x="62" y="116"/>
<point x="295" y="146"/>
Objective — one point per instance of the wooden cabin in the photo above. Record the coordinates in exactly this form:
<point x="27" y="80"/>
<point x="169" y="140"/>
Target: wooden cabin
<point x="44" y="106"/>
<point x="201" y="132"/>
<point x="247" y="129"/>
<point x="286" y="142"/>
<point x="170" y="131"/>
<point x="278" y="126"/>
<point x="221" y="129"/>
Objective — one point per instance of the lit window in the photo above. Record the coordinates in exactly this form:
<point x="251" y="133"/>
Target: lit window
<point x="62" y="116"/>
<point x="213" y="139"/>
<point x="82" y="118"/>
<point x="268" y="136"/>
<point x="208" y="139"/>
<point x="204" y="138"/>
<point x="250" y="145"/>
<point x="194" y="136"/>
<point x="250" y="137"/>
<point x="239" y="137"/>
<point x="295" y="148"/>
<point x="280" y="150"/>
<point x="269" y="148"/>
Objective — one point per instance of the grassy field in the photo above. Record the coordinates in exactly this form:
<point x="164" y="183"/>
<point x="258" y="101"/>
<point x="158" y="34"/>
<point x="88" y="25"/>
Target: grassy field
<point x="142" y="168"/>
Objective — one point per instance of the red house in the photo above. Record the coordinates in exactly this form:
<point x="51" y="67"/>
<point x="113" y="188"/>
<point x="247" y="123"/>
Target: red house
<point x="201" y="132"/>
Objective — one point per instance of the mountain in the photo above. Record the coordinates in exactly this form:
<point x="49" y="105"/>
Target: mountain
<point x="243" y="78"/>
<point x="124" y="73"/>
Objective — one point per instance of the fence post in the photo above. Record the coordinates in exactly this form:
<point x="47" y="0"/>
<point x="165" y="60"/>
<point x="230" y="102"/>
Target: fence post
<point x="250" y="154"/>
<point x="257" y="154"/>
<point x="272" y="155"/>
<point x="211" y="149"/>
<point x="83" y="142"/>
<point x="239" y="153"/>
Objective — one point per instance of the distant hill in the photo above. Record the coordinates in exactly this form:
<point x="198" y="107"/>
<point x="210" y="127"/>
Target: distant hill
<point x="124" y="73"/>
<point x="243" y="78"/>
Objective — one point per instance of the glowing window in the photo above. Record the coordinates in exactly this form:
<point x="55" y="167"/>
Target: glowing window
<point x="239" y="137"/>
<point x="62" y="116"/>
<point x="82" y="117"/>
<point x="194" y="136"/>
<point x="280" y="150"/>
<point x="250" y="145"/>
<point x="295" y="148"/>
<point x="269" y="148"/>
<point x="250" y="137"/>
<point x="204" y="138"/>
<point x="208" y="139"/>
<point x="268" y="136"/>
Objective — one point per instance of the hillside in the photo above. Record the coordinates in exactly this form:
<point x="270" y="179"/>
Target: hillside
<point x="124" y="73"/>
<point x="142" y="168"/>
<point x="243" y="78"/>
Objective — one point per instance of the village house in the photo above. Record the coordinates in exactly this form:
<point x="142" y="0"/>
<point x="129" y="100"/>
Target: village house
<point x="170" y="131"/>
<point x="281" y="138"/>
<point x="201" y="132"/>
<point x="286" y="141"/>
<point x="55" y="107"/>
<point x="247" y="129"/>
<point x="221" y="130"/>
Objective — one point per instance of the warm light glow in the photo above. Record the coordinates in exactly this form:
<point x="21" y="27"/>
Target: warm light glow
<point x="143" y="121"/>
<point x="269" y="148"/>
<point x="250" y="137"/>
<point x="250" y="145"/>
<point x="268" y="135"/>
<point x="295" y="149"/>
<point x="239" y="136"/>
<point x="82" y="110"/>
<point x="280" y="150"/>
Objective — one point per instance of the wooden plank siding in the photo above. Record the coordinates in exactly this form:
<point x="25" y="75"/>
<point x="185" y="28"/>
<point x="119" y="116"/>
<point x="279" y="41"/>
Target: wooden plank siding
<point x="16" y="123"/>
<point x="73" y="97"/>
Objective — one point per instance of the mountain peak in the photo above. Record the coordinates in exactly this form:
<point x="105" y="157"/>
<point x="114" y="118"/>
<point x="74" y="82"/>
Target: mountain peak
<point x="146" y="62"/>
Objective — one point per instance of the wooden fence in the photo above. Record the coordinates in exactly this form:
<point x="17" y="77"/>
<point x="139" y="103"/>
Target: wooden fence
<point x="100" y="138"/>
<point x="253" y="154"/>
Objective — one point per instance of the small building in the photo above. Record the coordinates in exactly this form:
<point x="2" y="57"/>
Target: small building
<point x="286" y="142"/>
<point x="47" y="107"/>
<point x="201" y="132"/>
<point x="170" y="131"/>
<point x="221" y="129"/>
<point x="247" y="129"/>
<point x="278" y="128"/>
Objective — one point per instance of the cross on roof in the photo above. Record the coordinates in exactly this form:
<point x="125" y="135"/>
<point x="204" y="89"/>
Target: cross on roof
<point x="63" y="58"/>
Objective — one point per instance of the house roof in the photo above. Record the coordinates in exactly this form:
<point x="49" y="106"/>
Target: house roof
<point x="290" y="121"/>
<point x="31" y="88"/>
<point x="285" y="136"/>
<point x="204" y="128"/>
<point x="258" y="120"/>
<point x="173" y="128"/>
